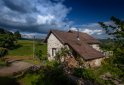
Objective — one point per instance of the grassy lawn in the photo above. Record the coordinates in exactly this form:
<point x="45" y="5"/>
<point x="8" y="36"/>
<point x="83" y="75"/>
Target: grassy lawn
<point x="26" y="48"/>
<point x="2" y="63"/>
<point x="29" y="79"/>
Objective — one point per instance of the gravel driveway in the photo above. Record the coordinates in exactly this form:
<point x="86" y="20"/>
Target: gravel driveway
<point x="15" y="67"/>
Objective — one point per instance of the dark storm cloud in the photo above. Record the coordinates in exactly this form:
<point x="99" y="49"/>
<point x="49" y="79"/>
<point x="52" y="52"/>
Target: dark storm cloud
<point x="32" y="15"/>
<point x="23" y="6"/>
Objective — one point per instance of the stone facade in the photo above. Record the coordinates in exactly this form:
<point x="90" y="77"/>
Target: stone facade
<point x="53" y="46"/>
<point x="94" y="62"/>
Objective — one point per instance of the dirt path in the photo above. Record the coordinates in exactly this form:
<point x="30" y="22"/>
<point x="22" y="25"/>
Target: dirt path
<point x="15" y="67"/>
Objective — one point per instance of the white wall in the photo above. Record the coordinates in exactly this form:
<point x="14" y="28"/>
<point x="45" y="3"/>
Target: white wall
<point x="53" y="42"/>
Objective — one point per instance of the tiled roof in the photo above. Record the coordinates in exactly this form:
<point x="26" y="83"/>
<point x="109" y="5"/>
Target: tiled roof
<point x="80" y="46"/>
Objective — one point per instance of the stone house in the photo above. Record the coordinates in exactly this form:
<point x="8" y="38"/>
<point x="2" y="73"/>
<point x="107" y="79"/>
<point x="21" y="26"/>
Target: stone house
<point x="81" y="44"/>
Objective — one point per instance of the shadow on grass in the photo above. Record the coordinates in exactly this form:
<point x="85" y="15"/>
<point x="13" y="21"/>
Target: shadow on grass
<point x="8" y="81"/>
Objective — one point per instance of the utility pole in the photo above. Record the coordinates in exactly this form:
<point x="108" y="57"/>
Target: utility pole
<point x="34" y="46"/>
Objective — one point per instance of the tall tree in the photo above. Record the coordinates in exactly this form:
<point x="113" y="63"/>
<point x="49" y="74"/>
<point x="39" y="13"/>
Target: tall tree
<point x="7" y="39"/>
<point x="17" y="35"/>
<point x="2" y="31"/>
<point x="116" y="32"/>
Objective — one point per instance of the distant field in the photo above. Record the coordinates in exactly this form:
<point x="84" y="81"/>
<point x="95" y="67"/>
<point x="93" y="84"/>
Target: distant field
<point x="26" y="48"/>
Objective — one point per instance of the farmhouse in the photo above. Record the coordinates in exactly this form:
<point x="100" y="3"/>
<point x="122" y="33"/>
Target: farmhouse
<point x="81" y="44"/>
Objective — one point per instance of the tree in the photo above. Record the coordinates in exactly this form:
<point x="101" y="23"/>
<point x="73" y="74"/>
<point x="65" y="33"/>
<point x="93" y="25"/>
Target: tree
<point x="17" y="35"/>
<point x="2" y="31"/>
<point x="3" y="52"/>
<point x="116" y="32"/>
<point x="7" y="39"/>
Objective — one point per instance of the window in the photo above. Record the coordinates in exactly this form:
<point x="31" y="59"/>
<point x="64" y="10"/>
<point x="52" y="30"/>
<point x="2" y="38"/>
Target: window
<point x="53" y="51"/>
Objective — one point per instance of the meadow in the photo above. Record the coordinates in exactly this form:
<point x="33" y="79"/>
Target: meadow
<point x="25" y="48"/>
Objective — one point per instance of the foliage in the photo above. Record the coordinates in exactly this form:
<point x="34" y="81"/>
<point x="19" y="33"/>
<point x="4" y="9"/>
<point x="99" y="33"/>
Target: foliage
<point x="116" y="31"/>
<point x="107" y="44"/>
<point x="17" y="35"/>
<point x="43" y="47"/>
<point x="47" y="75"/>
<point x="7" y="39"/>
<point x="93" y="75"/>
<point x="84" y="73"/>
<point x="39" y="51"/>
<point x="39" y="55"/>
<point x="116" y="72"/>
<point x="3" y="52"/>
<point x="2" y="31"/>
<point x="52" y="76"/>
<point x="63" y="52"/>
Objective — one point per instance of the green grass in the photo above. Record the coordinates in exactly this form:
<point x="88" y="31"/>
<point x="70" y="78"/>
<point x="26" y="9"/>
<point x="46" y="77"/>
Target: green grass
<point x="2" y="63"/>
<point x="26" y="48"/>
<point x="28" y="79"/>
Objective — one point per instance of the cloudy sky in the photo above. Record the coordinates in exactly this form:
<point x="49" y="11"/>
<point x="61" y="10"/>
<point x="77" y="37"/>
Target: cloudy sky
<point x="37" y="17"/>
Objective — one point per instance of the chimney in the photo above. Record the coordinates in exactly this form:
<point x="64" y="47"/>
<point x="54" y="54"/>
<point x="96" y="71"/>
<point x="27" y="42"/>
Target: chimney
<point x="78" y="34"/>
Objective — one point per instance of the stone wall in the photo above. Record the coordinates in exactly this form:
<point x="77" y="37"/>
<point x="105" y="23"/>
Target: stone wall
<point x="53" y="42"/>
<point x="94" y="62"/>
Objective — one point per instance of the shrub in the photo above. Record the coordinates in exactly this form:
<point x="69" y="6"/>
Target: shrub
<point x="84" y="73"/>
<point x="3" y="52"/>
<point x="88" y="75"/>
<point x="7" y="40"/>
<point x="40" y="56"/>
<point x="52" y="75"/>
<point x="62" y="53"/>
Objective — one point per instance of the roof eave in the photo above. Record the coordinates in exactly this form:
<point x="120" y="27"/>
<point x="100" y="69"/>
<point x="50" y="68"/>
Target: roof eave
<point x="55" y="36"/>
<point x="94" y="58"/>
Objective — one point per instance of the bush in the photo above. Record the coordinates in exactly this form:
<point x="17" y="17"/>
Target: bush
<point x="88" y="75"/>
<point x="7" y="40"/>
<point x="3" y="52"/>
<point x="52" y="75"/>
<point x="40" y="56"/>
<point x="84" y="73"/>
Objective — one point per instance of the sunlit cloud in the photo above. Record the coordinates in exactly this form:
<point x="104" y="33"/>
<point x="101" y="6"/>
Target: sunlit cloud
<point x="33" y="15"/>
